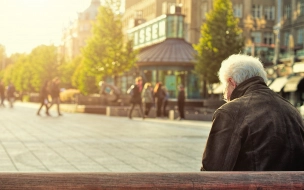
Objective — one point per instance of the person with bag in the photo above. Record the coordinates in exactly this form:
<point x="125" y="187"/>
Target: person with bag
<point x="44" y="99"/>
<point x="135" y="92"/>
<point x="147" y="98"/>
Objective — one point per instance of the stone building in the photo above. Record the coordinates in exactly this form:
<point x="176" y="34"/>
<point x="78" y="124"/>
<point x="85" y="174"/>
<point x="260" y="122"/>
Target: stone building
<point x="75" y="35"/>
<point x="256" y="18"/>
<point x="287" y="73"/>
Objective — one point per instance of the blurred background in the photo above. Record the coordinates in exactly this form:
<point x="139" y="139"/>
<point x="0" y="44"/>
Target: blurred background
<point x="176" y="42"/>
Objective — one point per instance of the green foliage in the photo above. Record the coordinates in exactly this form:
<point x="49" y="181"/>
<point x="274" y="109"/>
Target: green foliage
<point x="220" y="38"/>
<point x="84" y="80"/>
<point x="43" y="65"/>
<point x="105" y="54"/>
<point x="2" y="55"/>
<point x="28" y="72"/>
<point x="66" y="71"/>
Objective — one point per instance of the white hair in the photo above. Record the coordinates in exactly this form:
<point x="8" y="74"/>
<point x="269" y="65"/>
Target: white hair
<point x="240" y="68"/>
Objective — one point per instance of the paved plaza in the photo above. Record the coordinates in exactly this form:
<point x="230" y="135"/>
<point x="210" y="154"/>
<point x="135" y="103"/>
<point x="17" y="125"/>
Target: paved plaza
<point x="79" y="142"/>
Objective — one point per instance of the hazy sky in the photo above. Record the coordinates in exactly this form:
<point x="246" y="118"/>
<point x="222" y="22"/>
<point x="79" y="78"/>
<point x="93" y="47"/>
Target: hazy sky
<point x="25" y="24"/>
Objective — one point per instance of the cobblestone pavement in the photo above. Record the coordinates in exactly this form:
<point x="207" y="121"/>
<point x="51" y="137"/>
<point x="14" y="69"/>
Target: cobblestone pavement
<point x="78" y="142"/>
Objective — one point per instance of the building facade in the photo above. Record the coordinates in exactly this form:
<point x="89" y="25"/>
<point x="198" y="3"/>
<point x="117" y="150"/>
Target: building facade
<point x="157" y="30"/>
<point x="273" y="31"/>
<point x="256" y="19"/>
<point x="75" y="35"/>
<point x="287" y="73"/>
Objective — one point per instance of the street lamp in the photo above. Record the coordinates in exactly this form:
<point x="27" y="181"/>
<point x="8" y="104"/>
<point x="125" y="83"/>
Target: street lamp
<point x="277" y="31"/>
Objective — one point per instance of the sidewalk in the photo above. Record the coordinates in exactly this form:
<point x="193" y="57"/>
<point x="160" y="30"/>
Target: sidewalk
<point x="80" y="142"/>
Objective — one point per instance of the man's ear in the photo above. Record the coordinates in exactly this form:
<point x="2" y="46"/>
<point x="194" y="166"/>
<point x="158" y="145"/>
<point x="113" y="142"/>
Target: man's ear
<point x="232" y="82"/>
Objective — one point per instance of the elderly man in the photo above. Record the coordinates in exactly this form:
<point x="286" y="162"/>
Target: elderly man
<point x="256" y="130"/>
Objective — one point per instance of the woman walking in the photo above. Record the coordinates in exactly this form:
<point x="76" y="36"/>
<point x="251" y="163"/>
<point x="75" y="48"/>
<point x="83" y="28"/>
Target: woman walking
<point x="159" y="94"/>
<point x="147" y="98"/>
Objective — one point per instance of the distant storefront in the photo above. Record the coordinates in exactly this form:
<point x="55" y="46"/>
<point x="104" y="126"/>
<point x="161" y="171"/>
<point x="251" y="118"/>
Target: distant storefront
<point x="164" y="55"/>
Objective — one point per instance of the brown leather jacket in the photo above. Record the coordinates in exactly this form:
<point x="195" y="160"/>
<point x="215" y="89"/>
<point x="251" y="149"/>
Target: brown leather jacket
<point x="257" y="130"/>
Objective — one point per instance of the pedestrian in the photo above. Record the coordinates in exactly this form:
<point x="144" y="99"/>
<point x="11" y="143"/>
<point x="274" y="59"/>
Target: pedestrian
<point x="135" y="92"/>
<point x="43" y="97"/>
<point x="55" y="94"/>
<point x="147" y="98"/>
<point x="11" y="90"/>
<point x="181" y="102"/>
<point x="2" y="94"/>
<point x="159" y="95"/>
<point x="257" y="129"/>
<point x="165" y="101"/>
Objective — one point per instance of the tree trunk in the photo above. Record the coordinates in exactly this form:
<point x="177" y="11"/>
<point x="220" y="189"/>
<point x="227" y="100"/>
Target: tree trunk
<point x="205" y="91"/>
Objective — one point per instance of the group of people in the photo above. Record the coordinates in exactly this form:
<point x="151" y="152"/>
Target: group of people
<point x="148" y="97"/>
<point x="7" y="92"/>
<point x="50" y="88"/>
<point x="256" y="130"/>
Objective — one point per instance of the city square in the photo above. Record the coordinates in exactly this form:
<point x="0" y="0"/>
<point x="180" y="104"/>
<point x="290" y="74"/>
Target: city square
<point x="79" y="142"/>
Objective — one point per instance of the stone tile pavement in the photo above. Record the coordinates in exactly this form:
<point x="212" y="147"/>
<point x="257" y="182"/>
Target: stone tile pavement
<point x="79" y="142"/>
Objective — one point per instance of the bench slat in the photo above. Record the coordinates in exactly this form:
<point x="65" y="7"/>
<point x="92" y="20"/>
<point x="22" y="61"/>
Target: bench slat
<point x="199" y="180"/>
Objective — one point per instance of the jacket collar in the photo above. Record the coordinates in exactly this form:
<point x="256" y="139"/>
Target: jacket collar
<point x="248" y="85"/>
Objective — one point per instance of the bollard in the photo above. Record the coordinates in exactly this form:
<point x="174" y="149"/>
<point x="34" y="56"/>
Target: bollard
<point x="108" y="111"/>
<point x="171" y="114"/>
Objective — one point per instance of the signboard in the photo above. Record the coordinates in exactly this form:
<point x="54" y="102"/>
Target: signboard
<point x="157" y="30"/>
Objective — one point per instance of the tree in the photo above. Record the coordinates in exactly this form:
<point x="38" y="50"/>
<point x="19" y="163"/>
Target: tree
<point x="42" y="62"/>
<point x="84" y="80"/>
<point x="106" y="53"/>
<point x="29" y="71"/>
<point x="66" y="71"/>
<point x="2" y="57"/>
<point x="220" y="37"/>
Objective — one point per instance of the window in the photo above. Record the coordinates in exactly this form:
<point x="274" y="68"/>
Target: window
<point x="300" y="35"/>
<point x="269" y="13"/>
<point x="268" y="38"/>
<point x="166" y="6"/>
<point x="204" y="10"/>
<point x="257" y="11"/>
<point x="287" y="12"/>
<point x="286" y="38"/>
<point x="301" y="7"/>
<point x="256" y="37"/>
<point x="238" y="10"/>
<point x="139" y="14"/>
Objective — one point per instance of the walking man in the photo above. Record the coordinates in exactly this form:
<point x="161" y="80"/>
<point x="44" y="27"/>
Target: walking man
<point x="135" y="92"/>
<point x="55" y="94"/>
<point x="181" y="102"/>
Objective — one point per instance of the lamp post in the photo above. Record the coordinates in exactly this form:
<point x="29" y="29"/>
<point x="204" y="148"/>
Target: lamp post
<point x="277" y="31"/>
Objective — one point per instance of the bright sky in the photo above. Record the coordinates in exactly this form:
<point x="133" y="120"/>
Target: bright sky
<point x="26" y="24"/>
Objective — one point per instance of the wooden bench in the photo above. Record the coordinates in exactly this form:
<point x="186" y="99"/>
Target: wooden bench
<point x="197" y="180"/>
